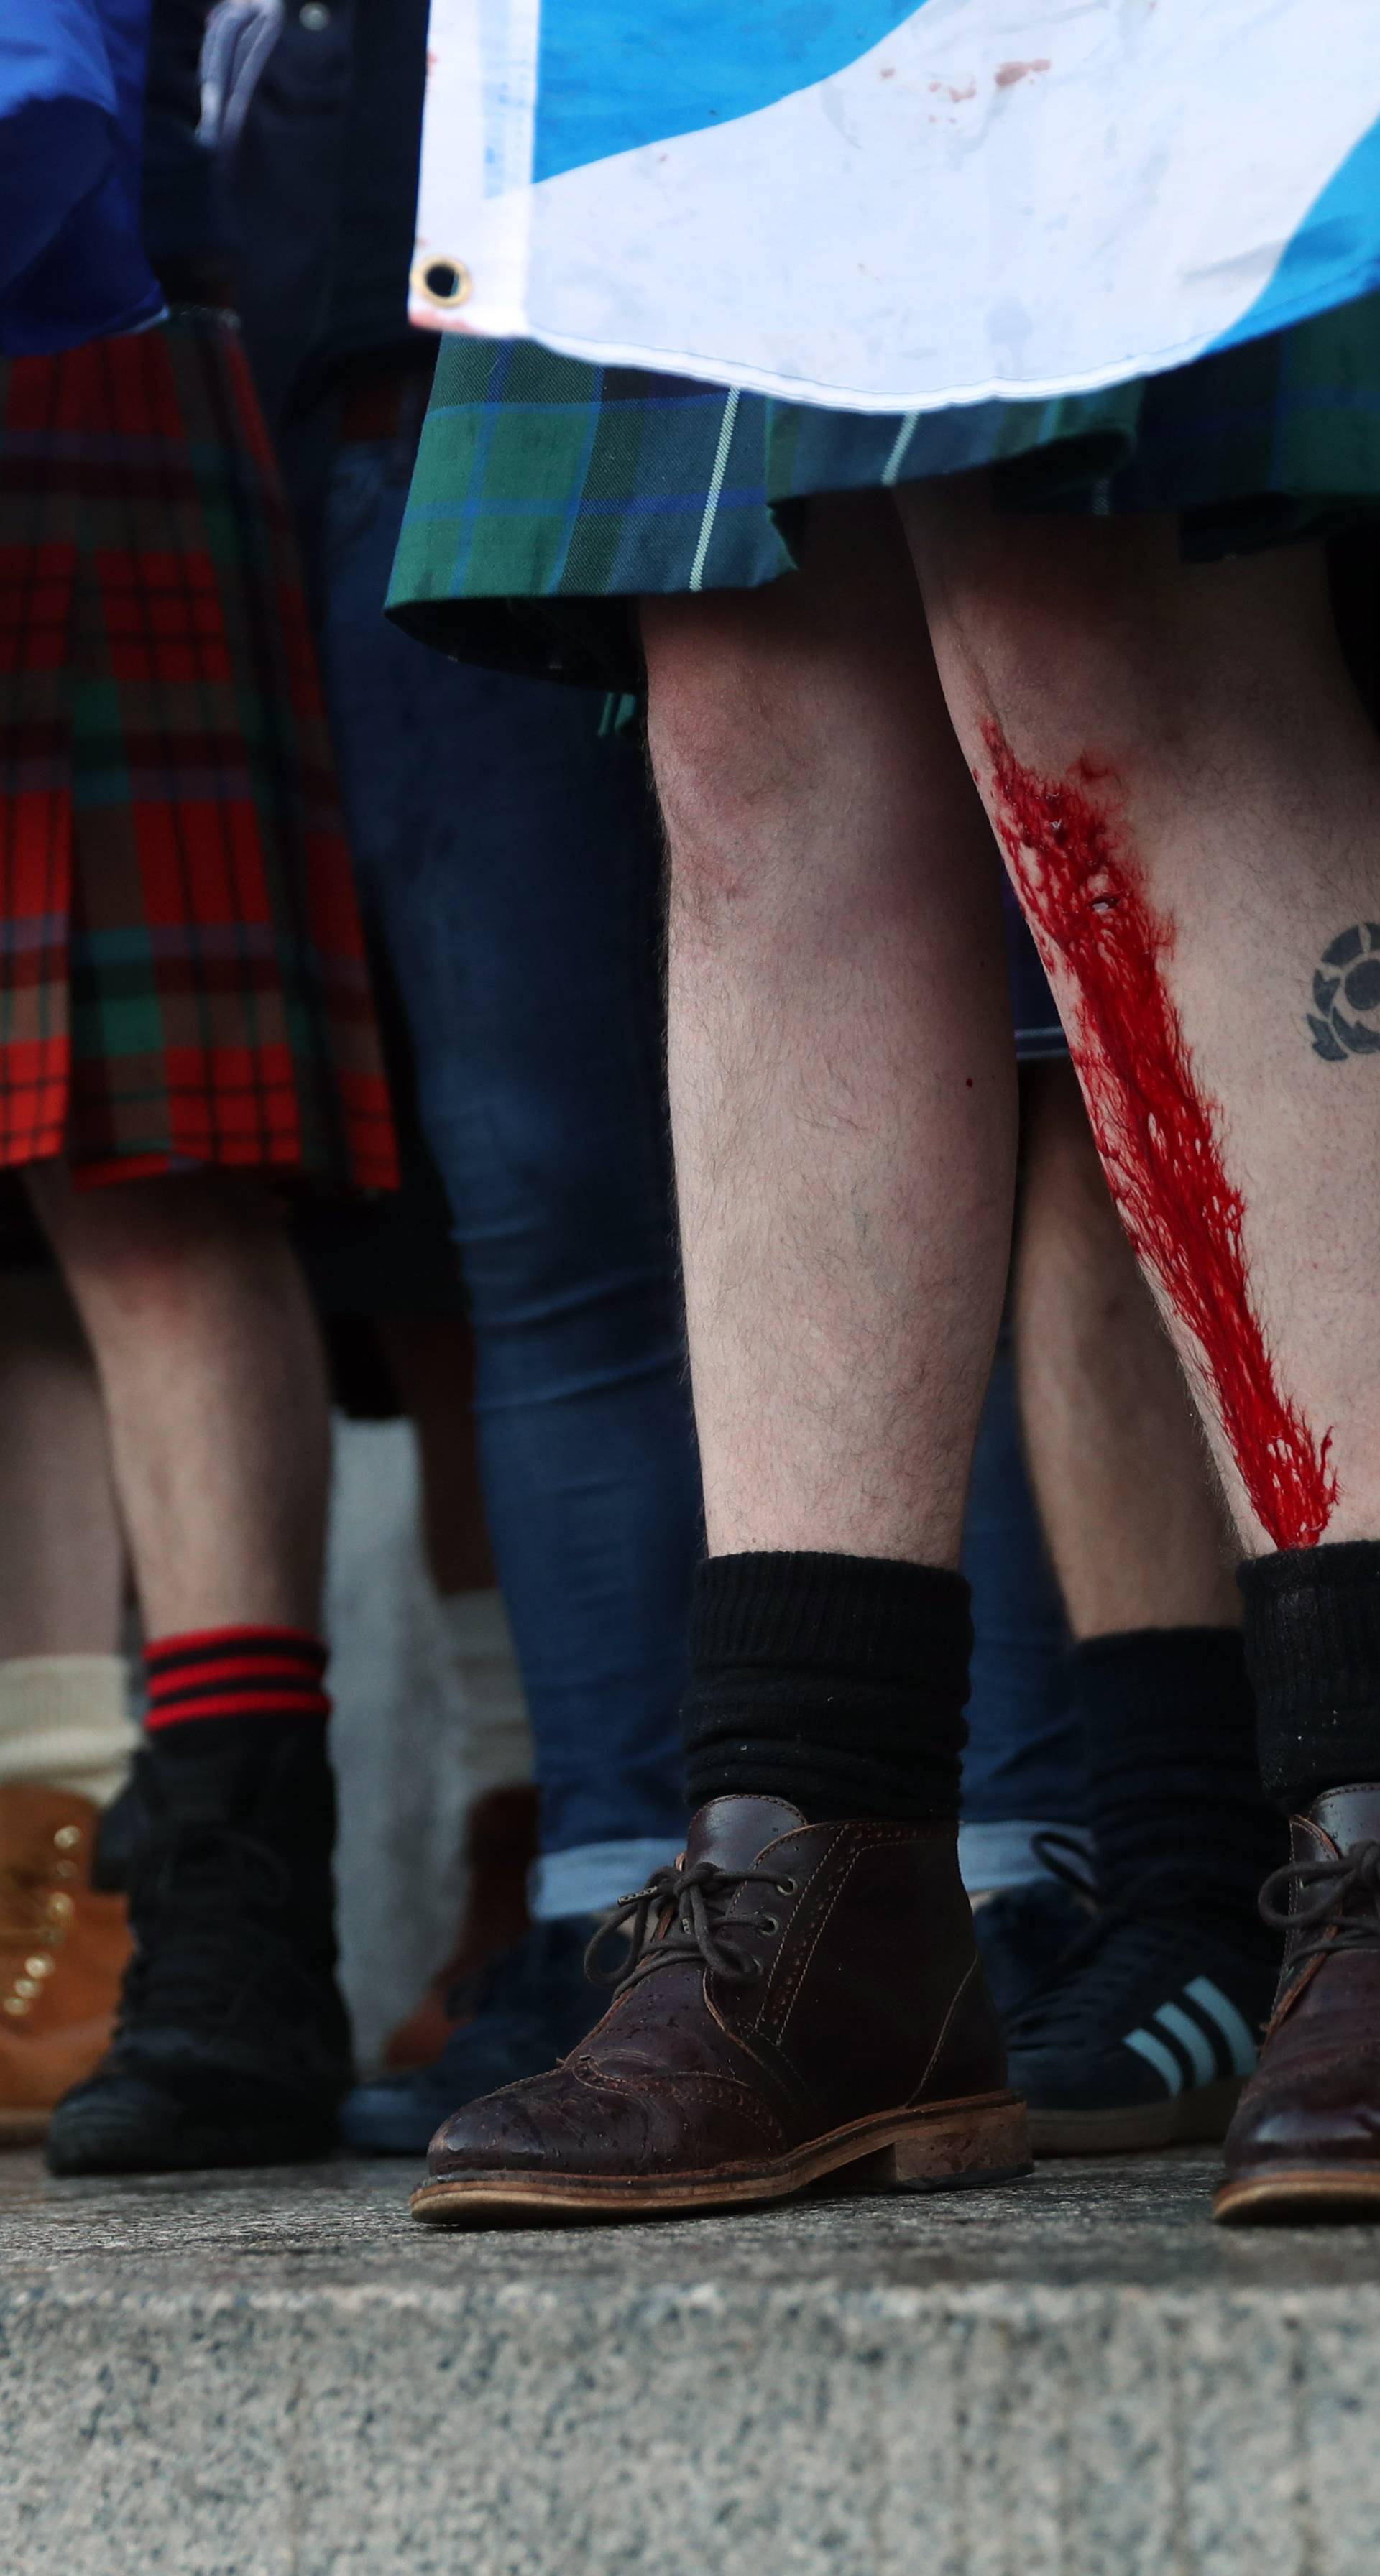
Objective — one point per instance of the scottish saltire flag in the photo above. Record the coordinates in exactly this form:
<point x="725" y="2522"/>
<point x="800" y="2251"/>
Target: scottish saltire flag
<point x="891" y="208"/>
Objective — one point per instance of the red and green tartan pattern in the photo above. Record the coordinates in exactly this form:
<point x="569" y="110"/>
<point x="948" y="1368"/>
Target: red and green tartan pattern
<point x="182" y="971"/>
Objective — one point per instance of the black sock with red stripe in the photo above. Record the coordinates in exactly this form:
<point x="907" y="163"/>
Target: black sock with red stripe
<point x="218" y="1689"/>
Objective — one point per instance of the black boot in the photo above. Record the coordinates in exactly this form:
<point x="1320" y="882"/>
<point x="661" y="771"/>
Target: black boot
<point x="233" y="2046"/>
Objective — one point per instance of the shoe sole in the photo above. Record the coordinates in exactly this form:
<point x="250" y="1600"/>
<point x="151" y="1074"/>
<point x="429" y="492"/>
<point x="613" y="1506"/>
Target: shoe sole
<point x="1202" y="2116"/>
<point x="947" y="2146"/>
<point x="23" y="2128"/>
<point x="1294" y="2197"/>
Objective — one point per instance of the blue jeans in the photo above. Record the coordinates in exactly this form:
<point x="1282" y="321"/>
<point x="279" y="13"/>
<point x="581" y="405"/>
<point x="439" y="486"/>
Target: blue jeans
<point x="1024" y="1765"/>
<point x="506" y="853"/>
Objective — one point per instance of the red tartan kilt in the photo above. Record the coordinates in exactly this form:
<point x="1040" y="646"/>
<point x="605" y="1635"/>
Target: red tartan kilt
<point x="182" y="972"/>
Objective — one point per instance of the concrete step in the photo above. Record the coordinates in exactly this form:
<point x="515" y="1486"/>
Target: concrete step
<point x="279" y="2375"/>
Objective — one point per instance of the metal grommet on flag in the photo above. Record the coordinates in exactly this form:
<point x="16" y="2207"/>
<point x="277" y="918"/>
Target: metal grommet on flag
<point x="608" y="211"/>
<point x="443" y="282"/>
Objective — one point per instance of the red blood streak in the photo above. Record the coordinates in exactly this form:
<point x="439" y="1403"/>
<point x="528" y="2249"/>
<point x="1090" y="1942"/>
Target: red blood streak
<point x="1156" y="1131"/>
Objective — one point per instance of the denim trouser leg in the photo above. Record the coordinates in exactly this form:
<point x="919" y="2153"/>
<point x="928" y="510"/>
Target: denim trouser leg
<point x="505" y="851"/>
<point x="1024" y="1764"/>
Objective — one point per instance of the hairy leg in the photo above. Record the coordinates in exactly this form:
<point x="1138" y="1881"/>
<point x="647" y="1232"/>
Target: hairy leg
<point x="215" y="1391"/>
<point x="1186" y="790"/>
<point x="62" y="1560"/>
<point x="842" y="1089"/>
<point x="1129" y="1505"/>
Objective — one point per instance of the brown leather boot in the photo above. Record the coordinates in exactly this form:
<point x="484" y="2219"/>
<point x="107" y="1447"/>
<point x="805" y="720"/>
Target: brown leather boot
<point x="500" y="1847"/>
<point x="1305" y="2142"/>
<point x="63" y="1952"/>
<point x="798" y="2001"/>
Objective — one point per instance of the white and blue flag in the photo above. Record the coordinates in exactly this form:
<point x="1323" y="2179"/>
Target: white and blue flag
<point x="893" y="209"/>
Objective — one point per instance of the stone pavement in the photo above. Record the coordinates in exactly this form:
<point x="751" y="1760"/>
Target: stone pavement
<point x="279" y="2375"/>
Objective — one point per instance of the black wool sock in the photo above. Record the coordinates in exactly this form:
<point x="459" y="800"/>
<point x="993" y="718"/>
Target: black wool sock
<point x="1313" y="1646"/>
<point x="836" y="1682"/>
<point x="231" y="1712"/>
<point x="1168" y="1721"/>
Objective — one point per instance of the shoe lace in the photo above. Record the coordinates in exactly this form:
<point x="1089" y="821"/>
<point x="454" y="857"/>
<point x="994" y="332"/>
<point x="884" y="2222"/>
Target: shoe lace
<point x="34" y="1921"/>
<point x="1066" y="1859"/>
<point x="22" y="1891"/>
<point x="678" y="1915"/>
<point x="1334" y="1902"/>
<point x="209" y="1895"/>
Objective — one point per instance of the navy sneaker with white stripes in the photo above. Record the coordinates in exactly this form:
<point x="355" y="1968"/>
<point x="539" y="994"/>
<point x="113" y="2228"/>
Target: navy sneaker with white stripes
<point x="1146" y="2032"/>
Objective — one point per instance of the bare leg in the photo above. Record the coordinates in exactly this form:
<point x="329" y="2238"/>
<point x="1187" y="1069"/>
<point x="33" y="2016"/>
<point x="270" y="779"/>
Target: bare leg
<point x="215" y="1390"/>
<point x="843" y="1111"/>
<point x="432" y="1361"/>
<point x="1156" y="1685"/>
<point x="233" y="2044"/>
<point x="842" y="1090"/>
<point x="64" y="1689"/>
<point x="1127" y="1498"/>
<point x="62" y="1561"/>
<point x="1186" y="789"/>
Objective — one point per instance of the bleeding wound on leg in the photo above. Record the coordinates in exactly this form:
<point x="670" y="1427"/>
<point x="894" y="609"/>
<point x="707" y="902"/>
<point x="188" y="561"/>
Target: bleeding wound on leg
<point x="1157" y="1131"/>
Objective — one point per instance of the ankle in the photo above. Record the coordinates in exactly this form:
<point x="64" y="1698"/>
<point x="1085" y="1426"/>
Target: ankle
<point x="834" y="1683"/>
<point x="213" y="1688"/>
<point x="1313" y="1643"/>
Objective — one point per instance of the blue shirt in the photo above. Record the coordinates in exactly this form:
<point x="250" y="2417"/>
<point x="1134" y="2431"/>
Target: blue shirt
<point x="72" y="266"/>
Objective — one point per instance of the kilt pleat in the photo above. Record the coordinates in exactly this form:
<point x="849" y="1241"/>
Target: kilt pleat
<point x="549" y="493"/>
<point x="182" y="969"/>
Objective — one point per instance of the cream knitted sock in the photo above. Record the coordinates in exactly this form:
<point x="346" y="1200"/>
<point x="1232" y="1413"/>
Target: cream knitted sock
<point x="65" y="1723"/>
<point x="491" y="1703"/>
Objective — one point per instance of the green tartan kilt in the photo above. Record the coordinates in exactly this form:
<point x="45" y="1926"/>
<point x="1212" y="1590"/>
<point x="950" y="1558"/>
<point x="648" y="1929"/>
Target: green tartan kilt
<point x="549" y="493"/>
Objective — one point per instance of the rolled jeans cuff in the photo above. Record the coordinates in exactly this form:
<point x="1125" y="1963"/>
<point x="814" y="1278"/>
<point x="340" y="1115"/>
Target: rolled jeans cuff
<point x="1004" y="1854"/>
<point x="591" y="1877"/>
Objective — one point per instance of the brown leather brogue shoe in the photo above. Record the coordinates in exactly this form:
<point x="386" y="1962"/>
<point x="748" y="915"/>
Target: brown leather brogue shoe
<point x="63" y="1951"/>
<point x="799" y="2002"/>
<point x="1305" y="2142"/>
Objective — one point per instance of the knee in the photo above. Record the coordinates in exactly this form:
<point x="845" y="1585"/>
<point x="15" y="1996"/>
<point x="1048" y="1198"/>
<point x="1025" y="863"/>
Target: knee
<point x="141" y="1242"/>
<point x="734" y="757"/>
<point x="1071" y="632"/>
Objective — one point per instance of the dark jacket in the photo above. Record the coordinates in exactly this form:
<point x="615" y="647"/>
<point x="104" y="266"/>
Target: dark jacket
<point x="183" y="220"/>
<point x="324" y="187"/>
